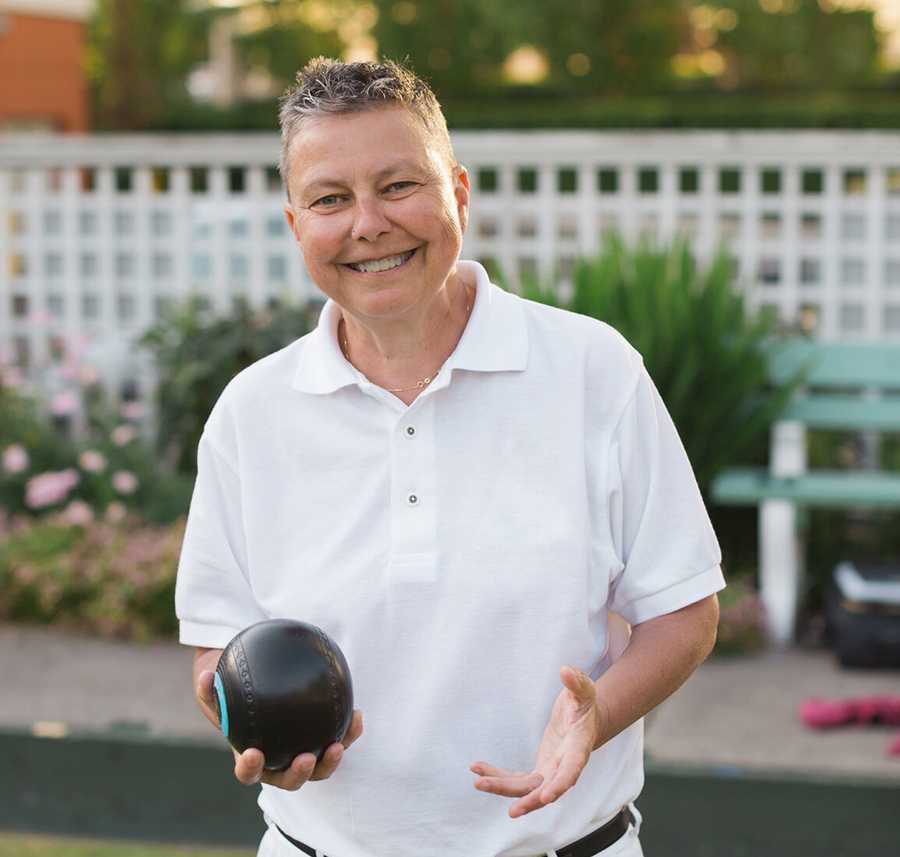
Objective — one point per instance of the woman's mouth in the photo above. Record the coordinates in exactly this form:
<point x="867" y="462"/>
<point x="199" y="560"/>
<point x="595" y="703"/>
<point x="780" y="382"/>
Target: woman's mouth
<point x="386" y="263"/>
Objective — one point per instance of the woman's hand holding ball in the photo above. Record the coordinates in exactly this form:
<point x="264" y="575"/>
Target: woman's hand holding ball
<point x="248" y="766"/>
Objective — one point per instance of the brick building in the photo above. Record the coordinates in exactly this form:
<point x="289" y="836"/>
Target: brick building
<point x="43" y="84"/>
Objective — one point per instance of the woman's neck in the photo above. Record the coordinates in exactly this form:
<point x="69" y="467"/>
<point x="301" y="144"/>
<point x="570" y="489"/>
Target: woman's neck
<point x="402" y="357"/>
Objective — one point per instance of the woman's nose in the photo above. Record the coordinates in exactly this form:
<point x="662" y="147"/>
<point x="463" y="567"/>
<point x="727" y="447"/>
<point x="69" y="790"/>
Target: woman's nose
<point x="369" y="221"/>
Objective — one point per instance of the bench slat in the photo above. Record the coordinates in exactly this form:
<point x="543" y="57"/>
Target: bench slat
<point x="845" y="412"/>
<point x="823" y="488"/>
<point x="839" y="364"/>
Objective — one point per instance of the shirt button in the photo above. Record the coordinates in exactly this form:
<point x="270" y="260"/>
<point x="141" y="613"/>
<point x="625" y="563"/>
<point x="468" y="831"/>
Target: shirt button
<point x="410" y="430"/>
<point x="412" y="499"/>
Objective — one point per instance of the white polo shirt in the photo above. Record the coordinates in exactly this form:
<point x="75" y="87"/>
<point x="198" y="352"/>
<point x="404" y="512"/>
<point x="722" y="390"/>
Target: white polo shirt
<point x="459" y="550"/>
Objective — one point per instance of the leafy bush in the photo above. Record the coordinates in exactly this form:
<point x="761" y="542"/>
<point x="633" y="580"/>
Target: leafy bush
<point x="113" y="577"/>
<point x="196" y="355"/>
<point x="707" y="354"/>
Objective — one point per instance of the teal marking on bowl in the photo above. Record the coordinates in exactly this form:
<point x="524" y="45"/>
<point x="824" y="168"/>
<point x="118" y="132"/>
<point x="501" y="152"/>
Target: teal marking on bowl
<point x="223" y="708"/>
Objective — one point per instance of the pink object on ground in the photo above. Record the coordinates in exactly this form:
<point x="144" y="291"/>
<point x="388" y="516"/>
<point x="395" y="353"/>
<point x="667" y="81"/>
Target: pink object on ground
<point x="821" y="713"/>
<point x="878" y="710"/>
<point x="875" y="710"/>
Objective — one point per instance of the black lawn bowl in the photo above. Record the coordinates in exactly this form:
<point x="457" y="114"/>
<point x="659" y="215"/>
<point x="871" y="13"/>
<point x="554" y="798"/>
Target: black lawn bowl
<point x="284" y="688"/>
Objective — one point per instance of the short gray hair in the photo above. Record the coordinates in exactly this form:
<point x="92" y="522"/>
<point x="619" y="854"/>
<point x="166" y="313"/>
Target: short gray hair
<point x="326" y="86"/>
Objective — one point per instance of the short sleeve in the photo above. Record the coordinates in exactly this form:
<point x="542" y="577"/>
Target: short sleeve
<point x="213" y="596"/>
<point x="668" y="553"/>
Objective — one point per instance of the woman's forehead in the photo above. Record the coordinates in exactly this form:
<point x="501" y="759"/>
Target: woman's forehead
<point x="371" y="143"/>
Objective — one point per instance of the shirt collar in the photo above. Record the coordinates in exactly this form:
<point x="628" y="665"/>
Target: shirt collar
<point x="495" y="339"/>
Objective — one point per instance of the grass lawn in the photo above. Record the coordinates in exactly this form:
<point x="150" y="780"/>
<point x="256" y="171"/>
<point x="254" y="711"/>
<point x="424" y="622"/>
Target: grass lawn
<point x="33" y="845"/>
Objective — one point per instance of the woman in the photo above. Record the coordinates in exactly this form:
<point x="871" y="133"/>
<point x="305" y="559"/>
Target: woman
<point x="459" y="486"/>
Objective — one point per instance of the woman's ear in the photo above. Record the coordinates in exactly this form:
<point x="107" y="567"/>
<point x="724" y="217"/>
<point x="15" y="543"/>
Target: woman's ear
<point x="291" y="220"/>
<point x="461" y="189"/>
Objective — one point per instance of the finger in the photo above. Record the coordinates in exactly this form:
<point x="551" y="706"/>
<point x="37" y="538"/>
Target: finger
<point x="206" y="696"/>
<point x="355" y="729"/>
<point x="529" y="803"/>
<point x="248" y="766"/>
<point x="566" y="776"/>
<point x="205" y="682"/>
<point x="578" y="682"/>
<point x="297" y="775"/>
<point x="515" y="786"/>
<point x="330" y="761"/>
<point x="487" y="770"/>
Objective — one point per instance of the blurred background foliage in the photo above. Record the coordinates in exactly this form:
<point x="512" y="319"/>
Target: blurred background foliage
<point x="515" y="63"/>
<point x="139" y="55"/>
<point x="196" y="354"/>
<point x="695" y="333"/>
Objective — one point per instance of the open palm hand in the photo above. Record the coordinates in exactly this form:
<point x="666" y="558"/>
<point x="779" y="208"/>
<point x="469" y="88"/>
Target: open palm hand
<point x="572" y="733"/>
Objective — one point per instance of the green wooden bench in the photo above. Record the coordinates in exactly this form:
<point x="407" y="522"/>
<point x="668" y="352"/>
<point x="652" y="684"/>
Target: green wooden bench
<point x="849" y="387"/>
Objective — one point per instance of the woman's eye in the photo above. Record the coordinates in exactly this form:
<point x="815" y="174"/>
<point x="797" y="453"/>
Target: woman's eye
<point x="328" y="201"/>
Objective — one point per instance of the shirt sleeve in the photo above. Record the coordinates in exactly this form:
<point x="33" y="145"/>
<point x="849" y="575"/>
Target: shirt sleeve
<point x="213" y="596"/>
<point x="669" y="556"/>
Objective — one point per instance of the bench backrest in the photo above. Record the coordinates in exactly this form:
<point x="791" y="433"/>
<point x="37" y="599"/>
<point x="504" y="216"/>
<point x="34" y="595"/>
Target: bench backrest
<point x="848" y="386"/>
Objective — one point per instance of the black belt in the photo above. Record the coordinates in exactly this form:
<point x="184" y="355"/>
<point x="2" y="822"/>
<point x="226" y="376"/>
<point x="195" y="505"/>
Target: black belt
<point x="588" y="845"/>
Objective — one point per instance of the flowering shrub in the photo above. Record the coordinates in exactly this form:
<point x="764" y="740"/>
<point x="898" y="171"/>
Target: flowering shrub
<point x="42" y="471"/>
<point x="741" y="619"/>
<point x="114" y="576"/>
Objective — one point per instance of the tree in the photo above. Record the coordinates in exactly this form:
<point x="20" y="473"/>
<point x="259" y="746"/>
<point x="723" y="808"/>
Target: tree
<point x="139" y="55"/>
<point x="458" y="45"/>
<point x="628" y="46"/>
<point x="280" y="36"/>
<point x="590" y="45"/>
<point x="780" y="44"/>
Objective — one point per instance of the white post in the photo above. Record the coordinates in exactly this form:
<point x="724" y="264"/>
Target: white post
<point x="781" y="554"/>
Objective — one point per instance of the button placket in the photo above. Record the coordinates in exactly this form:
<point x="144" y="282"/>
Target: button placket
<point x="413" y="526"/>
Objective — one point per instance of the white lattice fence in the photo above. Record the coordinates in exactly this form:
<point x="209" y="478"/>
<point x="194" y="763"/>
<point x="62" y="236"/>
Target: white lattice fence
<point x="98" y="233"/>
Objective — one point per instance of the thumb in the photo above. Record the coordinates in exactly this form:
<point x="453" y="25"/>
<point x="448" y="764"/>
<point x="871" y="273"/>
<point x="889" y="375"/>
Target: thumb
<point x="205" y="686"/>
<point x="577" y="681"/>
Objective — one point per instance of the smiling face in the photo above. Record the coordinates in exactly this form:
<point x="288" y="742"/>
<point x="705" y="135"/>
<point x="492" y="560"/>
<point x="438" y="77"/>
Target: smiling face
<point x="377" y="210"/>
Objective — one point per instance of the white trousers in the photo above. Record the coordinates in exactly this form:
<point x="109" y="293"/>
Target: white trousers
<point x="273" y="844"/>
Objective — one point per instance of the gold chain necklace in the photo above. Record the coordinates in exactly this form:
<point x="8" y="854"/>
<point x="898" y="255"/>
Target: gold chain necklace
<point x="419" y="385"/>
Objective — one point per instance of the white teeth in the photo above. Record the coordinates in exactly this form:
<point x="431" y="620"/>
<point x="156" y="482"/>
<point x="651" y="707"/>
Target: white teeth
<point x="385" y="264"/>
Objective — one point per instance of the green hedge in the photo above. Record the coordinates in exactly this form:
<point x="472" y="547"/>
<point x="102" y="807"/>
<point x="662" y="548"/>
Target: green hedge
<point x="878" y="108"/>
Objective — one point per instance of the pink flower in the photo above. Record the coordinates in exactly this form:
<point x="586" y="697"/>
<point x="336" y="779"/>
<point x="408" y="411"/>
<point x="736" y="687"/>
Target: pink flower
<point x="15" y="458"/>
<point x="48" y="489"/>
<point x="64" y="403"/>
<point x="125" y="482"/>
<point x="132" y="411"/>
<point x="115" y="512"/>
<point x="78" y="513"/>
<point x="92" y="461"/>
<point x="123" y="434"/>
